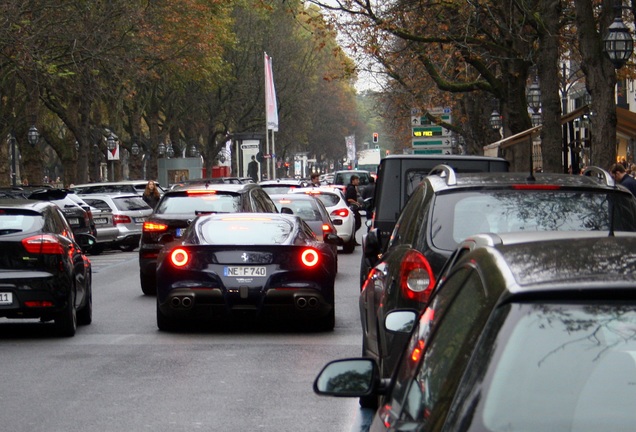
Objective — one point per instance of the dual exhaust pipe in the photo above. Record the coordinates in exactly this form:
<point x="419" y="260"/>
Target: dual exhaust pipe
<point x="181" y="302"/>
<point x="309" y="302"/>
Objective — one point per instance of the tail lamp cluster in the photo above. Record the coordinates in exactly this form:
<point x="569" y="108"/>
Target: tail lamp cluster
<point x="43" y="244"/>
<point x="416" y="277"/>
<point x="343" y="212"/>
<point x="154" y="227"/>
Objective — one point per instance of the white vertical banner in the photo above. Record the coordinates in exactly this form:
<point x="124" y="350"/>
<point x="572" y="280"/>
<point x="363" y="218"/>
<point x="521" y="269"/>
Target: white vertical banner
<point x="114" y="153"/>
<point x="270" y="96"/>
<point x="351" y="147"/>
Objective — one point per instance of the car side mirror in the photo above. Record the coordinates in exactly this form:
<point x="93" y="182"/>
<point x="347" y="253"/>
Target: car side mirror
<point x="348" y="378"/>
<point x="400" y="321"/>
<point x="86" y="241"/>
<point x="332" y="239"/>
<point x="286" y="210"/>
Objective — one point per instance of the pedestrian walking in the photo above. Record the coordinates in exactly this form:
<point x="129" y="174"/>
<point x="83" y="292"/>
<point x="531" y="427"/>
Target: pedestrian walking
<point x="151" y="194"/>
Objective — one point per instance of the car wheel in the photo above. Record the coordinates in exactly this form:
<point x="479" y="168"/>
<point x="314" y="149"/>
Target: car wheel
<point x="349" y="246"/>
<point x="148" y="285"/>
<point x="66" y="320"/>
<point x="85" y="314"/>
<point x="96" y="249"/>
<point x="165" y="323"/>
<point x="127" y="248"/>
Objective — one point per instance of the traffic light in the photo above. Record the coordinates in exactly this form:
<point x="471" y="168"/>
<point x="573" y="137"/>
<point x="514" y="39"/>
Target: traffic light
<point x="375" y="137"/>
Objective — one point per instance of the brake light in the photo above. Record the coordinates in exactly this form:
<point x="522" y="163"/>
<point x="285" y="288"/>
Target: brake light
<point x="201" y="192"/>
<point x="121" y="219"/>
<point x="416" y="354"/>
<point x="309" y="257"/>
<point x="37" y="303"/>
<point x="154" y="226"/>
<point x="343" y="212"/>
<point x="425" y="324"/>
<point x="416" y="277"/>
<point x="535" y="187"/>
<point x="326" y="229"/>
<point x="179" y="257"/>
<point x="43" y="244"/>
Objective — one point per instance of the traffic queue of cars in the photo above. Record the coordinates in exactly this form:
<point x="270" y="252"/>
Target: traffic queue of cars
<point x="501" y="302"/>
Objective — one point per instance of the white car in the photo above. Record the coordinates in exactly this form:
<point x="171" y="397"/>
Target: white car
<point x="339" y="212"/>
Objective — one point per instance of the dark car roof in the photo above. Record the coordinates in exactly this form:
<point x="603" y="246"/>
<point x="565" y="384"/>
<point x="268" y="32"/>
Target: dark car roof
<point x="581" y="262"/>
<point x="34" y="205"/>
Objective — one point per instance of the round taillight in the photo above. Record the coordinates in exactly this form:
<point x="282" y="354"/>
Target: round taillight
<point x="179" y="257"/>
<point x="309" y="257"/>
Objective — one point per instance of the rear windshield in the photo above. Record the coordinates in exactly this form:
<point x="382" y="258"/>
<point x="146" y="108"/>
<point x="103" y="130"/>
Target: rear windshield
<point x="257" y="231"/>
<point x="459" y="215"/>
<point x="306" y="209"/>
<point x="329" y="200"/>
<point x="345" y="178"/>
<point x="199" y="203"/>
<point x="273" y="190"/>
<point x="130" y="203"/>
<point x="14" y="221"/>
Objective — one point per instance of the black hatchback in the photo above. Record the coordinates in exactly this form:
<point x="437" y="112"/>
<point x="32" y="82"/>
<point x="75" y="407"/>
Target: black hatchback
<point x="448" y="207"/>
<point x="178" y="207"/>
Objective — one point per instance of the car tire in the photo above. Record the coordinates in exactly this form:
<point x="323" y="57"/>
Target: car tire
<point x="165" y="323"/>
<point x="66" y="320"/>
<point x="127" y="248"/>
<point x="349" y="246"/>
<point x="148" y="285"/>
<point x="85" y="314"/>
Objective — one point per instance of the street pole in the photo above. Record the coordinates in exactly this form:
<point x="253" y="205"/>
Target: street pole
<point x="13" y="161"/>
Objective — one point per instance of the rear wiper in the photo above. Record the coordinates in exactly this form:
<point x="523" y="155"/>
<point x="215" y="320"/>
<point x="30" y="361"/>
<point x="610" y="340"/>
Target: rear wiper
<point x="9" y="231"/>
<point x="203" y="212"/>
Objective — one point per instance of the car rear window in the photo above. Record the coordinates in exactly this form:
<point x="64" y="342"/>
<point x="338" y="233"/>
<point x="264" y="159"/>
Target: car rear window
<point x="329" y="200"/>
<point x="257" y="231"/>
<point x="14" y="221"/>
<point x="273" y="190"/>
<point x="306" y="209"/>
<point x="461" y="214"/>
<point x="183" y="203"/>
<point x="130" y="203"/>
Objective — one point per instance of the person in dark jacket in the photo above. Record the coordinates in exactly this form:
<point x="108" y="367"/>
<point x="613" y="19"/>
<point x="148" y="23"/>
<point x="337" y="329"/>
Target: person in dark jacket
<point x="151" y="194"/>
<point x="621" y="177"/>
<point x="352" y="196"/>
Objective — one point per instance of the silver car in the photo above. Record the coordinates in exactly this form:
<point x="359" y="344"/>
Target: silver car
<point x="120" y="223"/>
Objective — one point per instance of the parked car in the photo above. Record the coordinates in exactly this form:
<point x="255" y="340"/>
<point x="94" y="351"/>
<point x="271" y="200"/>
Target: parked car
<point x="282" y="185"/>
<point x="176" y="210"/>
<point x="127" y="215"/>
<point x="247" y="265"/>
<point x="339" y="212"/>
<point x="525" y="333"/>
<point x="397" y="178"/>
<point x="80" y="220"/>
<point x="124" y="186"/>
<point x="314" y="213"/>
<point x="44" y="272"/>
<point x="447" y="208"/>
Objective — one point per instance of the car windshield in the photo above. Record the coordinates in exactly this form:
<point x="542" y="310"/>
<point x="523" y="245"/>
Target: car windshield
<point x="130" y="203"/>
<point x="200" y="203"/>
<point x="577" y="361"/>
<point x="12" y="221"/>
<point x="257" y="231"/>
<point x="460" y="214"/>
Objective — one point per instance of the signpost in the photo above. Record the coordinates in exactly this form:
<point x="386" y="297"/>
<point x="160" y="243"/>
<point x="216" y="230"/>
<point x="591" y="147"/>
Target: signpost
<point x="427" y="137"/>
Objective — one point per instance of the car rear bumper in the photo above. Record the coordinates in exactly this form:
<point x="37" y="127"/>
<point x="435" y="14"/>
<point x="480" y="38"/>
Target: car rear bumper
<point x="214" y="304"/>
<point x="34" y="294"/>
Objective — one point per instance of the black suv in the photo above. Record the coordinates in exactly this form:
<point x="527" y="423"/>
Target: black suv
<point x="178" y="207"/>
<point x="398" y="176"/>
<point x="447" y="208"/>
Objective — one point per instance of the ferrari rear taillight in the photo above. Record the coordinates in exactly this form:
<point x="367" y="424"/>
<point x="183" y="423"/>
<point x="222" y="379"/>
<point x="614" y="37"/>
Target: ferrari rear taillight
<point x="43" y="244"/>
<point x="416" y="277"/>
<point x="309" y="257"/>
<point x="343" y="212"/>
<point x="121" y="219"/>
<point x="179" y="257"/>
<point x="154" y="227"/>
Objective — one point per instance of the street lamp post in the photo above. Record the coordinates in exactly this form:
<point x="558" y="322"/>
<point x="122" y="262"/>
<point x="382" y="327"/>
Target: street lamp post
<point x="13" y="160"/>
<point x="33" y="136"/>
<point x="618" y="43"/>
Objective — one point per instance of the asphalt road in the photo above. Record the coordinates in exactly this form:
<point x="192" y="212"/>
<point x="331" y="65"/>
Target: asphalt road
<point x="122" y="374"/>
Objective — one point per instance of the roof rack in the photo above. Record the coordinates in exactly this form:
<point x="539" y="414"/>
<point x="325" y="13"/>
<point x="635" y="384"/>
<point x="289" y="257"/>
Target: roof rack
<point x="445" y="171"/>
<point x="599" y="173"/>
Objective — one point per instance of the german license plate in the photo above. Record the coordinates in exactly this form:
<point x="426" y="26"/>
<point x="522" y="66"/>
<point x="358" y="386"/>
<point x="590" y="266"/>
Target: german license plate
<point x="100" y="221"/>
<point x="73" y="221"/>
<point x="179" y="232"/>
<point x="6" y="298"/>
<point x="243" y="271"/>
<point x="139" y="220"/>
